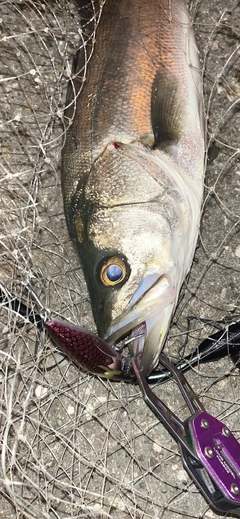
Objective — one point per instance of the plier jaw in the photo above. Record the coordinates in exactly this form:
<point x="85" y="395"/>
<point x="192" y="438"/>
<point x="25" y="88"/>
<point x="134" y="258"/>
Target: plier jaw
<point x="210" y="452"/>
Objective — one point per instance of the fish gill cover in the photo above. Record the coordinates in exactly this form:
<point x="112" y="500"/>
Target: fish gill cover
<point x="74" y="445"/>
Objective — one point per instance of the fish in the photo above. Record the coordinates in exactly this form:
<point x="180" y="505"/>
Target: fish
<point x="133" y="165"/>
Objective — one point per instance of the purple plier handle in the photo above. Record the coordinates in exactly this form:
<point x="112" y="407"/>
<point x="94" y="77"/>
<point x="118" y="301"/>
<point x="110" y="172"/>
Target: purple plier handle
<point x="210" y="452"/>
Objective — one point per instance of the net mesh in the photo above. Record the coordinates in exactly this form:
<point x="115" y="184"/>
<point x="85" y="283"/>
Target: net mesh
<point x="74" y="445"/>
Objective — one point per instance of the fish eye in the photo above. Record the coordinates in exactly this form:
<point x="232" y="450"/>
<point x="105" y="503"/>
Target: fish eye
<point x="113" y="271"/>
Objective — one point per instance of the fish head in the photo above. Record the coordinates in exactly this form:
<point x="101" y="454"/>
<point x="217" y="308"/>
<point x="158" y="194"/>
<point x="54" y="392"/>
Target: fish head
<point x="130" y="245"/>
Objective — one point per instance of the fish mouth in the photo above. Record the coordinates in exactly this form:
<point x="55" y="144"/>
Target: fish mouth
<point x="146" y="320"/>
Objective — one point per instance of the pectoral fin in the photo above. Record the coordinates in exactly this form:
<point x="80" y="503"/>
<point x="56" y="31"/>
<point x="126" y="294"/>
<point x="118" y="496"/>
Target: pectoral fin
<point x="167" y="108"/>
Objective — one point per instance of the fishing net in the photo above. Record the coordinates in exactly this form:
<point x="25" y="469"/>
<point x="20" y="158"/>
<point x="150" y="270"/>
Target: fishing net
<point x="73" y="445"/>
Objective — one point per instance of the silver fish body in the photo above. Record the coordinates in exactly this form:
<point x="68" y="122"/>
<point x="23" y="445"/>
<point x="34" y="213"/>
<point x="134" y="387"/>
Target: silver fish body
<point x="133" y="167"/>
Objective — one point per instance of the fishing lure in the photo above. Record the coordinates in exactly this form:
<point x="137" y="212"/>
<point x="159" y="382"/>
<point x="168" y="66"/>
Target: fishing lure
<point x="89" y="351"/>
<point x="98" y="357"/>
<point x="86" y="349"/>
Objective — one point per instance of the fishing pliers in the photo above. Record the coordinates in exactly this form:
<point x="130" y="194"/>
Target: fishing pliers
<point x="210" y="452"/>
